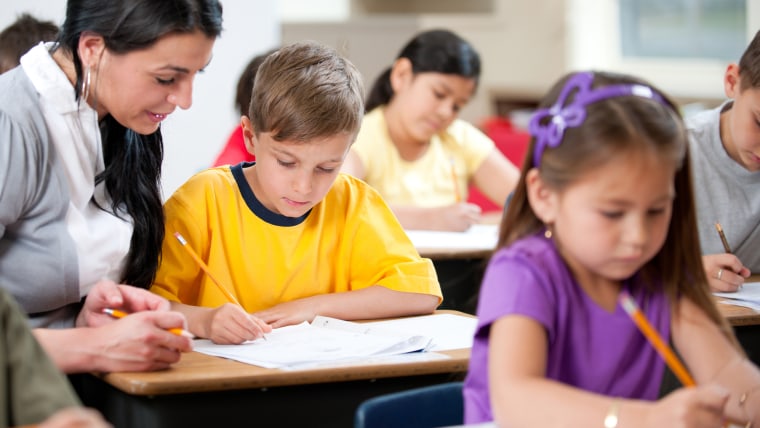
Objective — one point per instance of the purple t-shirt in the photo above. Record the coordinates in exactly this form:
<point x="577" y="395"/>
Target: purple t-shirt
<point x="588" y="347"/>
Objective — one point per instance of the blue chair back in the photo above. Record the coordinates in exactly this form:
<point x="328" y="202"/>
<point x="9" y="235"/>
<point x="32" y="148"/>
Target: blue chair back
<point x="427" y="407"/>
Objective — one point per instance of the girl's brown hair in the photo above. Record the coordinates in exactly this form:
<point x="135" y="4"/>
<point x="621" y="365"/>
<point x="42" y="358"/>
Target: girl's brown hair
<point x="621" y="126"/>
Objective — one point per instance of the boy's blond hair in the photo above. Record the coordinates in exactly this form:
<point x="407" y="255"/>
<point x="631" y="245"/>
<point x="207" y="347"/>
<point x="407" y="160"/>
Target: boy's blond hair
<point x="304" y="91"/>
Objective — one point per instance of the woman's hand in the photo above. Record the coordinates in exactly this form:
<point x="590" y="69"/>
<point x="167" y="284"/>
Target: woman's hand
<point x="107" y="294"/>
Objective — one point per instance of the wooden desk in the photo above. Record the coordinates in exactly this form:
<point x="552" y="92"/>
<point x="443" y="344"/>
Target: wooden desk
<point x="456" y="252"/>
<point x="453" y="253"/>
<point x="739" y="315"/>
<point x="207" y="391"/>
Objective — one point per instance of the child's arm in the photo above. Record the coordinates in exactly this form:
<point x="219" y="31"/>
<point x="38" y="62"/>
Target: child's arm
<point x="226" y="324"/>
<point x="713" y="360"/>
<point x="496" y="177"/>
<point x="455" y="218"/>
<point x="521" y="396"/>
<point x="368" y="303"/>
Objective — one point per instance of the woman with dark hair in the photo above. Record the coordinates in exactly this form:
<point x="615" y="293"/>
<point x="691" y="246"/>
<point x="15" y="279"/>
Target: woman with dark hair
<point x="81" y="222"/>
<point x="412" y="147"/>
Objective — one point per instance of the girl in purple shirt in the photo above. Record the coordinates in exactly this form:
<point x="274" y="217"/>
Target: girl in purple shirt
<point x="604" y="205"/>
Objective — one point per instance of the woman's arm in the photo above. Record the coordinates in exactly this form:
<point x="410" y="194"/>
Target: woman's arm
<point x="368" y="303"/>
<point x="137" y="342"/>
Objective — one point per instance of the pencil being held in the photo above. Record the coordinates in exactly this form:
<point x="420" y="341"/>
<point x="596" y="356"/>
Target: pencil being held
<point x="117" y="313"/>
<point x="205" y="269"/>
<point x="723" y="239"/>
<point x="230" y="298"/>
<point x="667" y="354"/>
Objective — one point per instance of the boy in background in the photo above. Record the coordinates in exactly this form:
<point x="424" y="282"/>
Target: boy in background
<point x="725" y="153"/>
<point x="22" y="35"/>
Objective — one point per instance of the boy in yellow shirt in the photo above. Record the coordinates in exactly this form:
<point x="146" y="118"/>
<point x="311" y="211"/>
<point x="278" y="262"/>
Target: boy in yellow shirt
<point x="289" y="236"/>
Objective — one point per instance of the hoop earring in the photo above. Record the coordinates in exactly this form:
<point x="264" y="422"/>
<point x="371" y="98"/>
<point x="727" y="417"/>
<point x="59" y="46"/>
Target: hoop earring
<point x="84" y="91"/>
<point x="548" y="231"/>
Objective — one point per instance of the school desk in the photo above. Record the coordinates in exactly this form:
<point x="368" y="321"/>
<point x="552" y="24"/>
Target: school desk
<point x="459" y="260"/>
<point x="206" y="391"/>
<point x="475" y="244"/>
<point x="746" y="324"/>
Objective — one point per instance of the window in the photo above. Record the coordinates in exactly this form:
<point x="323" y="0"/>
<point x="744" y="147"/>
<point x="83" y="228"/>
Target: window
<point x="682" y="46"/>
<point x="714" y="29"/>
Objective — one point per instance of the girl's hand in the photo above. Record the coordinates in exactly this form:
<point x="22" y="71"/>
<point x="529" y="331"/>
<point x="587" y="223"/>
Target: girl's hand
<point x="231" y="324"/>
<point x="725" y="272"/>
<point x="458" y="217"/>
<point x="696" y="407"/>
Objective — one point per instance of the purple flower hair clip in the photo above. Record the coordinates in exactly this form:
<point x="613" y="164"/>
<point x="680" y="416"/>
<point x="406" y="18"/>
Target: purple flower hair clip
<point x="565" y="115"/>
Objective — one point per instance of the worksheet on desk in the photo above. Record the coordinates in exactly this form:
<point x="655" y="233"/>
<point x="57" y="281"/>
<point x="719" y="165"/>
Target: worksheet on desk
<point x="332" y="341"/>
<point x="748" y="296"/>
<point x="318" y="342"/>
<point x="477" y="237"/>
<point x="447" y="331"/>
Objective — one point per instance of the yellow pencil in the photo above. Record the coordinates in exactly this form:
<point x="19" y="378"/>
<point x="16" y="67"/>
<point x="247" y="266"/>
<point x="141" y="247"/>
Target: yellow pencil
<point x="723" y="238"/>
<point x="117" y="313"/>
<point x="205" y="268"/>
<point x="654" y="338"/>
<point x="457" y="194"/>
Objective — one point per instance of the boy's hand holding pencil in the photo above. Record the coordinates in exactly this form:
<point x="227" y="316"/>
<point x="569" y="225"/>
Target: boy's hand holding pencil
<point x="725" y="272"/>
<point x="226" y="324"/>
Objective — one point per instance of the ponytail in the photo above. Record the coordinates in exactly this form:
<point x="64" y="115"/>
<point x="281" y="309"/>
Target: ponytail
<point x="381" y="92"/>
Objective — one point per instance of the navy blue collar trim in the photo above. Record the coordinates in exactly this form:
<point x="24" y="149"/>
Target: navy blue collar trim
<point x="255" y="205"/>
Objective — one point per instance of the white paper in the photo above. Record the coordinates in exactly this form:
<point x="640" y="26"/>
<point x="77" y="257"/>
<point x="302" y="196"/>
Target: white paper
<point x="748" y="296"/>
<point x="305" y="344"/>
<point x="477" y="237"/>
<point x="448" y="331"/>
<point x="328" y="342"/>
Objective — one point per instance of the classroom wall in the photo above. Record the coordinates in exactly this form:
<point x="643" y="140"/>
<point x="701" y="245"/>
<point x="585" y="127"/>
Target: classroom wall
<point x="192" y="138"/>
<point x="522" y="43"/>
<point x="525" y="44"/>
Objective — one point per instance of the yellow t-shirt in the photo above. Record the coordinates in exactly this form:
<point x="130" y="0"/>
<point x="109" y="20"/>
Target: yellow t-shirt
<point x="429" y="180"/>
<point x="348" y="241"/>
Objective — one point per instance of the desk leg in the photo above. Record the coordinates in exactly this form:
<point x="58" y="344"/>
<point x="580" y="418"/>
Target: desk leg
<point x="318" y="405"/>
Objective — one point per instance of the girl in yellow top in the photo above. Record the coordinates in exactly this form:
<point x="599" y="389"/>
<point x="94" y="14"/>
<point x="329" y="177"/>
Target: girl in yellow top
<point x="414" y="150"/>
<point x="288" y="235"/>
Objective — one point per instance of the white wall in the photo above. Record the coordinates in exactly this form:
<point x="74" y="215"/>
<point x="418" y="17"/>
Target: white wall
<point x="192" y="138"/>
